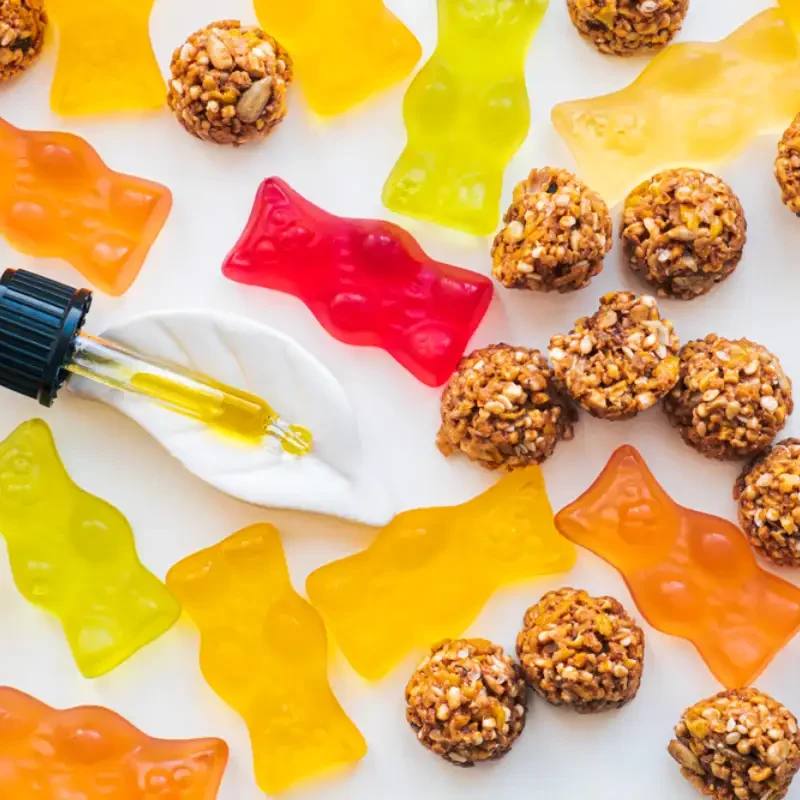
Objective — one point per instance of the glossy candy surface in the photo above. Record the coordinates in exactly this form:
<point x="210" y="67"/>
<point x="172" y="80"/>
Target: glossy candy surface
<point x="91" y="753"/>
<point x="696" y="104"/>
<point x="73" y="554"/>
<point x="264" y="651"/>
<point x="59" y="200"/>
<point x="466" y="113"/>
<point x="368" y="282"/>
<point x="341" y="58"/>
<point x="430" y="571"/>
<point x="105" y="61"/>
<point x="692" y="575"/>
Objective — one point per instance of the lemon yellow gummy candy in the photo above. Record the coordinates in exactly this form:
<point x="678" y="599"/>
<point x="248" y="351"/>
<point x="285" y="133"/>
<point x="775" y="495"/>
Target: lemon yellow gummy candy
<point x="695" y="105"/>
<point x="343" y="52"/>
<point x="264" y="651"/>
<point x="430" y="571"/>
<point x="105" y="60"/>
<point x="74" y="555"/>
<point x="466" y="113"/>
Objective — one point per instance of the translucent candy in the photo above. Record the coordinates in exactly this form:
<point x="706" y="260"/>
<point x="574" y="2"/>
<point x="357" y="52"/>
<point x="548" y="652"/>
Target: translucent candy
<point x="264" y="651"/>
<point x="91" y="753"/>
<point x="692" y="575"/>
<point x="73" y="554"/>
<point x="343" y="53"/>
<point x="430" y="571"/>
<point x="695" y="105"/>
<point x="59" y="200"/>
<point x="467" y="113"/>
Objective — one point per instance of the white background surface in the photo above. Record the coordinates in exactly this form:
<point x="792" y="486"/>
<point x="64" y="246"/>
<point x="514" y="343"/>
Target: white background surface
<point x="342" y="165"/>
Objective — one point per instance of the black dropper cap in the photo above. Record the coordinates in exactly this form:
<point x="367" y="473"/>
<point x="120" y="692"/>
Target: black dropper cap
<point x="39" y="320"/>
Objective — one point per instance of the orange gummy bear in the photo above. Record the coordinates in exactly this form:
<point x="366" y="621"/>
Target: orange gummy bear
<point x="91" y="753"/>
<point x="692" y="575"/>
<point x="58" y="199"/>
<point x="264" y="651"/>
<point x="429" y="572"/>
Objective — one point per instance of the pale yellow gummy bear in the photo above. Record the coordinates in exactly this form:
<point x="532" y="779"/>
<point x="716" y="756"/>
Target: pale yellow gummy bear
<point x="430" y="571"/>
<point x="695" y="105"/>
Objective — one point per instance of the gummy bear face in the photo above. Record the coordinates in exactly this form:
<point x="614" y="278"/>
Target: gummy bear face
<point x="28" y="467"/>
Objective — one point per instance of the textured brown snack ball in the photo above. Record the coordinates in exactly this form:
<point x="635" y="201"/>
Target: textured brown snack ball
<point x="621" y="360"/>
<point x="581" y="651"/>
<point x="556" y="234"/>
<point x="22" y="28"/>
<point x="466" y="701"/>
<point x="787" y="166"/>
<point x="229" y="83"/>
<point x="732" y="397"/>
<point x="502" y="410"/>
<point x="768" y="494"/>
<point x="628" y="27"/>
<point x="738" y="745"/>
<point x="684" y="231"/>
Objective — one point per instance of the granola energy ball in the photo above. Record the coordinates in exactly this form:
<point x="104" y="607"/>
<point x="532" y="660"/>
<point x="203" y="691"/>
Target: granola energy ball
<point x="557" y="232"/>
<point x="581" y="651"/>
<point x="22" y="26"/>
<point x="684" y="231"/>
<point x="787" y="166"/>
<point x="229" y="83"/>
<point x="738" y="745"/>
<point x="628" y="27"/>
<point x="768" y="493"/>
<point x="732" y="397"/>
<point x="501" y="409"/>
<point x="466" y="701"/>
<point x="621" y="360"/>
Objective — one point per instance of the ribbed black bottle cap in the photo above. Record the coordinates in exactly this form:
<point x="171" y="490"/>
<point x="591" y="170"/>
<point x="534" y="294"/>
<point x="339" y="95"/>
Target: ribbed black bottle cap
<point x="39" y="320"/>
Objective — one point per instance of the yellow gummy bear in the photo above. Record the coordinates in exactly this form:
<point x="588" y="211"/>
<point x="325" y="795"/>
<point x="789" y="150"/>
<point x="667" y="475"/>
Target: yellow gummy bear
<point x="467" y="113"/>
<point x="74" y="555"/>
<point x="695" y="105"/>
<point x="430" y="571"/>
<point x="105" y="60"/>
<point x="343" y="53"/>
<point x="264" y="652"/>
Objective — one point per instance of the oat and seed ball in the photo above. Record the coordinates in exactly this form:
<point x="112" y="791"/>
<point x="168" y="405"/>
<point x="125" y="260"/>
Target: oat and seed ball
<point x="557" y="232"/>
<point x="581" y="651"/>
<point x="22" y="27"/>
<point x="684" y="231"/>
<point x="787" y="166"/>
<point x="229" y="82"/>
<point x="732" y="397"/>
<point x="738" y="745"/>
<point x="501" y="409"/>
<point x="466" y="701"/>
<point x="620" y="361"/>
<point x="768" y="494"/>
<point x="628" y="27"/>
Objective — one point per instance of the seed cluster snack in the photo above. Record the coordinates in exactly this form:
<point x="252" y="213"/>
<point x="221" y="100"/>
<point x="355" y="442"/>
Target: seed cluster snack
<point x="466" y="701"/>
<point x="684" y="231"/>
<point x="22" y="27"/>
<point x="581" y="651"/>
<point x="738" y="745"/>
<point x="787" y="166"/>
<point x="229" y="83"/>
<point x="732" y="397"/>
<point x="502" y="410"/>
<point x="556" y="234"/>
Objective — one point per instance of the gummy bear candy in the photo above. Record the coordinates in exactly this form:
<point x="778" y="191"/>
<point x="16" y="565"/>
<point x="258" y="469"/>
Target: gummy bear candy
<point x="342" y="56"/>
<point x="368" y="282"/>
<point x="264" y="651"/>
<point x="91" y="753"/>
<point x="467" y="113"/>
<point x="59" y="200"/>
<point x="105" y="60"/>
<point x="430" y="571"/>
<point x="73" y="554"/>
<point x="696" y="104"/>
<point x="692" y="575"/>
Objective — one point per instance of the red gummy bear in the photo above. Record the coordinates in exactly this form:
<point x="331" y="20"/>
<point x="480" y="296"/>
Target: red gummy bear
<point x="368" y="282"/>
